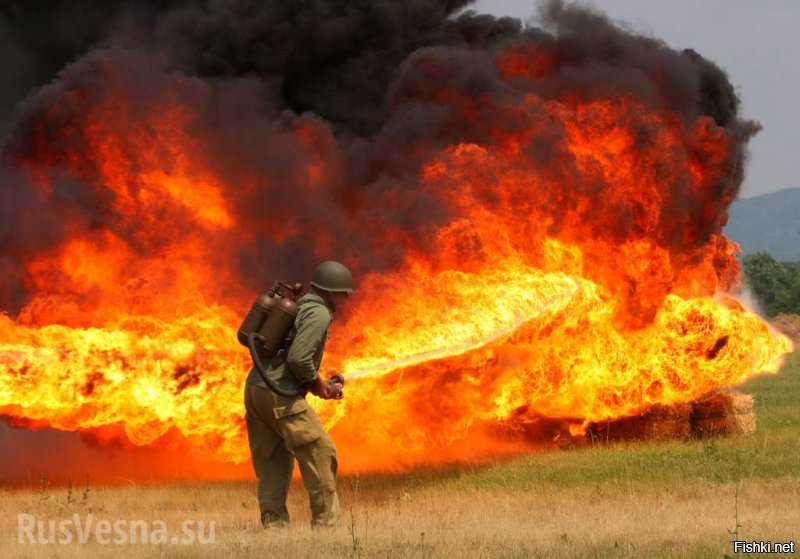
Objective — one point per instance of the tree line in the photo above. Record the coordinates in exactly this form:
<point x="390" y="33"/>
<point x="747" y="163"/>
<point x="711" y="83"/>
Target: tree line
<point x="776" y="285"/>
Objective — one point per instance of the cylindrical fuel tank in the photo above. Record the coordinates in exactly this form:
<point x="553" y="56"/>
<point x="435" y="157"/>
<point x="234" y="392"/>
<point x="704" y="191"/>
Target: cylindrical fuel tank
<point x="256" y="317"/>
<point x="278" y="324"/>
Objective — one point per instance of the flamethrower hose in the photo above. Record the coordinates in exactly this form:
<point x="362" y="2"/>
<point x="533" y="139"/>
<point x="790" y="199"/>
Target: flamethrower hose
<point x="262" y="371"/>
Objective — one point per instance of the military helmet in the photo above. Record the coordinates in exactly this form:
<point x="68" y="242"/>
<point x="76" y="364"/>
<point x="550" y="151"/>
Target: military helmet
<point x="332" y="276"/>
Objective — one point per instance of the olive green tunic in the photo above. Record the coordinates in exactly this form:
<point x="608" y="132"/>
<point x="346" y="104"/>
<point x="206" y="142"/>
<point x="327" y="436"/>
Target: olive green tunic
<point x="302" y="362"/>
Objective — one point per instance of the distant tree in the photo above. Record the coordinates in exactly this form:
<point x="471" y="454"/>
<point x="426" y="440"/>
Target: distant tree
<point x="792" y="267"/>
<point x="775" y="285"/>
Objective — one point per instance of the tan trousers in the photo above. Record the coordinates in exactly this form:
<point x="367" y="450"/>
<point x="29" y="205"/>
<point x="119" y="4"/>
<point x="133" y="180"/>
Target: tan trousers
<point x="280" y="429"/>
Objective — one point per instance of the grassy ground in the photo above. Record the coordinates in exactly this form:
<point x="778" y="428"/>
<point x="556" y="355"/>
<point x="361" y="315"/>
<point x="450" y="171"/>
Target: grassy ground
<point x="670" y="499"/>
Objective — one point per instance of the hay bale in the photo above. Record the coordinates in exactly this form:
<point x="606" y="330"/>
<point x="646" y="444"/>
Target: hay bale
<point x="657" y="423"/>
<point x="724" y="414"/>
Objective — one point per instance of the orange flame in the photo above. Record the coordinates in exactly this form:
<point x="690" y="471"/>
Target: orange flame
<point x="529" y="303"/>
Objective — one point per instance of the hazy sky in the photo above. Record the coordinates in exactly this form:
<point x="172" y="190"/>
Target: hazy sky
<point x="757" y="42"/>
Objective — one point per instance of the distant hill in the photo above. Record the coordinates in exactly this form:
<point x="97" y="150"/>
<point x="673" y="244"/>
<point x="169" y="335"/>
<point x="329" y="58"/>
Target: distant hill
<point x="769" y="222"/>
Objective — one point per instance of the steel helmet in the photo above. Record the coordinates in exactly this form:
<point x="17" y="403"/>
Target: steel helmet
<point x="332" y="276"/>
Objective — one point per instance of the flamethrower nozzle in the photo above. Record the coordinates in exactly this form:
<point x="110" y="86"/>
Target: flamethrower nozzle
<point x="337" y="379"/>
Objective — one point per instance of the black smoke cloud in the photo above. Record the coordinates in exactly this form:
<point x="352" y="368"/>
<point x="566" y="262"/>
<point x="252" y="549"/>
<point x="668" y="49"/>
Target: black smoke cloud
<point x="39" y="38"/>
<point x="381" y="84"/>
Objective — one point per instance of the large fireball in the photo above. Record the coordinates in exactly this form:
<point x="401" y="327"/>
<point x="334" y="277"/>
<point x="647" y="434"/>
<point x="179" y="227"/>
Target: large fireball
<point x="533" y="218"/>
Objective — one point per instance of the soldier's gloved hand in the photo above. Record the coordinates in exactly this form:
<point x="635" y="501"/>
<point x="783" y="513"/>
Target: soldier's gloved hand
<point x="318" y="387"/>
<point x="325" y="389"/>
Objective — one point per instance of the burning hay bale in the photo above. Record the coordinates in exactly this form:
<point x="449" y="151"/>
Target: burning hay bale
<point x="724" y="413"/>
<point x="658" y="423"/>
<point x="718" y="414"/>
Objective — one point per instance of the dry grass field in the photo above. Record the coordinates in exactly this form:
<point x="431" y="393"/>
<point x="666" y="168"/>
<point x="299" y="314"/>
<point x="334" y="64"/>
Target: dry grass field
<point x="666" y="499"/>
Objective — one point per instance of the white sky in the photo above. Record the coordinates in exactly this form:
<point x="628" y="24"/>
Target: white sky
<point x="756" y="42"/>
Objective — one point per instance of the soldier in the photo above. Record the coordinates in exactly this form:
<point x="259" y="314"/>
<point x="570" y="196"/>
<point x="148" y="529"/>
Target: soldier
<point x="281" y="428"/>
